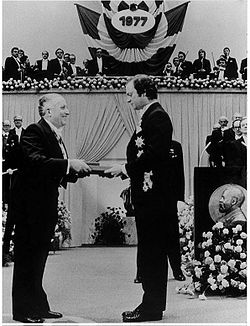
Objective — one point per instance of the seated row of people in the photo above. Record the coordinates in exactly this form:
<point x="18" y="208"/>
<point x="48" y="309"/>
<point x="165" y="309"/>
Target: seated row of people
<point x="227" y="147"/>
<point x="226" y="66"/>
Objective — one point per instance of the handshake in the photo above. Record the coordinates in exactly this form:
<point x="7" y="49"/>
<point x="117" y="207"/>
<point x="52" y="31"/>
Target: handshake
<point x="79" y="168"/>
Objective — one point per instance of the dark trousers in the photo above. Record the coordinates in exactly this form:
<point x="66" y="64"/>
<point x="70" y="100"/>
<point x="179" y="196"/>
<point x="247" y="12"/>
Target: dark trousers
<point x="30" y="256"/>
<point x="152" y="256"/>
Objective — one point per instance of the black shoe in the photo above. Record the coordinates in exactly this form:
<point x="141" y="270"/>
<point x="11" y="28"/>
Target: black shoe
<point x="137" y="316"/>
<point x="179" y="276"/>
<point x="137" y="279"/>
<point x="51" y="314"/>
<point x="28" y="319"/>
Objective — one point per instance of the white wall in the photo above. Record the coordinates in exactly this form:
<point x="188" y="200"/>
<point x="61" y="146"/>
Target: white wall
<point x="38" y="25"/>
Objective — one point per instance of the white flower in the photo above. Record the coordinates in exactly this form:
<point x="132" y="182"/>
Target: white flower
<point x="224" y="269"/>
<point x="198" y="272"/>
<point x="234" y="230"/>
<point x="220" y="277"/>
<point x="212" y="267"/>
<point x="243" y="235"/>
<point x="225" y="283"/>
<point x="239" y="242"/>
<point x="238" y="227"/>
<point x="213" y="286"/>
<point x="217" y="248"/>
<point x="227" y="245"/>
<point x="139" y="142"/>
<point x="234" y="283"/>
<point x="231" y="263"/>
<point x="243" y="265"/>
<point x="209" y="235"/>
<point x="219" y="225"/>
<point x="147" y="183"/>
<point x="211" y="280"/>
<point x="197" y="286"/>
<point x="206" y="253"/>
<point x="209" y="261"/>
<point x="204" y="234"/>
<point x="225" y="231"/>
<point x="242" y="286"/>
<point x="243" y="272"/>
<point x="185" y="248"/>
<point x="209" y="242"/>
<point x="203" y="245"/>
<point x="238" y="249"/>
<point x="217" y="258"/>
<point x="243" y="255"/>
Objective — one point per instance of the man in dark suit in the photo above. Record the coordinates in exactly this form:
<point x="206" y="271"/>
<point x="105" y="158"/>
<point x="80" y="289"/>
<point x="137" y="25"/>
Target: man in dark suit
<point x="231" y="71"/>
<point x="201" y="66"/>
<point x="34" y="204"/>
<point x="148" y="167"/>
<point x="185" y="67"/>
<point x="41" y="67"/>
<point x="5" y="158"/>
<point x="73" y="69"/>
<point x="12" y="67"/>
<point x="243" y="69"/>
<point x="57" y="66"/>
<point x="99" y="65"/>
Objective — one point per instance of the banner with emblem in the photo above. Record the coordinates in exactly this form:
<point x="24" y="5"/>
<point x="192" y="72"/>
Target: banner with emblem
<point x="136" y="36"/>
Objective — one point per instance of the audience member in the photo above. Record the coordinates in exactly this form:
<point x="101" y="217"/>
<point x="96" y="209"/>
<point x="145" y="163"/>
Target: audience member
<point x="201" y="66"/>
<point x="98" y="65"/>
<point x="26" y="70"/>
<point x="176" y="63"/>
<point x="57" y="66"/>
<point x="211" y="148"/>
<point x="229" y="134"/>
<point x="41" y="66"/>
<point x="14" y="138"/>
<point x="85" y="68"/>
<point x="243" y="69"/>
<point x="219" y="70"/>
<point x="73" y="69"/>
<point x="185" y="67"/>
<point x="231" y="71"/>
<point x="12" y="67"/>
<point x="168" y="70"/>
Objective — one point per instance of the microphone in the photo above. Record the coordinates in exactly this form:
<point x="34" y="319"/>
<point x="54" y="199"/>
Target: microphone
<point x="202" y="153"/>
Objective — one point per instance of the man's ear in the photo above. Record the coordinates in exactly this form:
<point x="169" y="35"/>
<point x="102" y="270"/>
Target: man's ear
<point x="234" y="200"/>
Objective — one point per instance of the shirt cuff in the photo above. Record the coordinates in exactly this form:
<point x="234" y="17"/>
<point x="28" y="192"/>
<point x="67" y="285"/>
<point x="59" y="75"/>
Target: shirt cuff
<point x="68" y="166"/>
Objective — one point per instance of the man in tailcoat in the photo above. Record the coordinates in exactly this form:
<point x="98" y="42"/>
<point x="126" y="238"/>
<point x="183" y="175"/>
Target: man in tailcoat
<point x="34" y="202"/>
<point x="41" y="67"/>
<point x="12" y="68"/>
<point x="58" y="67"/>
<point x="99" y="65"/>
<point x="152" y="195"/>
<point x="185" y="66"/>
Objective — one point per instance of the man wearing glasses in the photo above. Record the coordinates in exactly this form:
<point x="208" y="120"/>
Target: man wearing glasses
<point x="12" y="66"/>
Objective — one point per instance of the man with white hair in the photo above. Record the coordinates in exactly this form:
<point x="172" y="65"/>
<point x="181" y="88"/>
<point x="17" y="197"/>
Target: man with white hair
<point x="230" y="203"/>
<point x="217" y="141"/>
<point x="34" y="200"/>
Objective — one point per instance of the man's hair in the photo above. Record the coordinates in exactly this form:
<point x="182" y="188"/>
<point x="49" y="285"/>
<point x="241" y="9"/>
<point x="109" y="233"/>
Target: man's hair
<point x="14" y="48"/>
<point x="226" y="48"/>
<point x="181" y="52"/>
<point x="236" y="120"/>
<point x="6" y="123"/>
<point x="145" y="85"/>
<point x="43" y="100"/>
<point x="45" y="52"/>
<point x="59" y="49"/>
<point x="18" y="117"/>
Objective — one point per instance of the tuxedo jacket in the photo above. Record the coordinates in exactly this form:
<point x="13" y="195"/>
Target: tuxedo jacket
<point x="43" y="169"/>
<point x="15" y="151"/>
<point x="55" y="67"/>
<point x="187" y="69"/>
<point x="70" y="70"/>
<point x="148" y="162"/>
<point x="93" y="66"/>
<point x="38" y="65"/>
<point x="198" y="64"/>
<point x="235" y="153"/>
<point x="229" y="135"/>
<point x="231" y="71"/>
<point x="243" y="71"/>
<point x="11" y="69"/>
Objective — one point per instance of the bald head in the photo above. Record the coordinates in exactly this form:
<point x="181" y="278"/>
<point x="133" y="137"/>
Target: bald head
<point x="53" y="108"/>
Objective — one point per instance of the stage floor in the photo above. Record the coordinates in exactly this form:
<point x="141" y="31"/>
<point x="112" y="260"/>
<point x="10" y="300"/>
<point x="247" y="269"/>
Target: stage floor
<point x="95" y="285"/>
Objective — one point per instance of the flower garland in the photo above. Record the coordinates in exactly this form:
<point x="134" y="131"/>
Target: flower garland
<point x="102" y="82"/>
<point x="63" y="226"/>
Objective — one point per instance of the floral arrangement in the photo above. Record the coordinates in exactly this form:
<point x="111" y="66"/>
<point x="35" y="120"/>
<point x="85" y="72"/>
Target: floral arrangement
<point x="186" y="231"/>
<point x="109" y="227"/>
<point x="104" y="82"/>
<point x="222" y="267"/>
<point x="63" y="227"/>
<point x="7" y="258"/>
